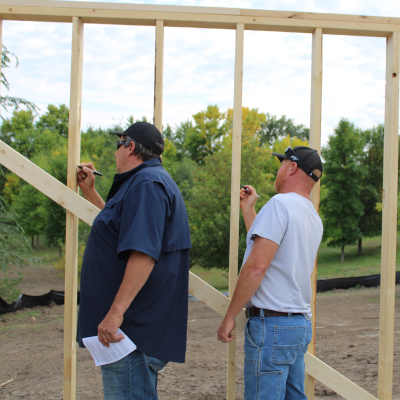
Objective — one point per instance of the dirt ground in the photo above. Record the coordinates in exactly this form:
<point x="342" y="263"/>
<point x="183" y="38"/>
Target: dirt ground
<point x="31" y="348"/>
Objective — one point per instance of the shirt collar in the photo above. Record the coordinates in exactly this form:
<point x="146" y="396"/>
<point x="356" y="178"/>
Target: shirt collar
<point x="149" y="163"/>
<point x="119" y="179"/>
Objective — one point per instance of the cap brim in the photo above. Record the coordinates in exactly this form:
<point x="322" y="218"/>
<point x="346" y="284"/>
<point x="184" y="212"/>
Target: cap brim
<point x="118" y="133"/>
<point x="281" y="156"/>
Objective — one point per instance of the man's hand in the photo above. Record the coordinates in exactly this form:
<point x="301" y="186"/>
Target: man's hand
<point x="86" y="181"/>
<point x="248" y="198"/>
<point x="86" y="178"/>
<point x="225" y="330"/>
<point x="108" y="328"/>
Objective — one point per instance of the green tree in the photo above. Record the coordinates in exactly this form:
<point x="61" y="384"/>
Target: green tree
<point x="370" y="223"/>
<point x="14" y="250"/>
<point x="19" y="132"/>
<point x="205" y="137"/>
<point x="209" y="203"/>
<point x="30" y="207"/>
<point x="273" y="128"/>
<point x="342" y="206"/>
<point x="55" y="120"/>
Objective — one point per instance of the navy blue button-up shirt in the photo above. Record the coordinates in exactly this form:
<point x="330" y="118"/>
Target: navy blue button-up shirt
<point x="144" y="212"/>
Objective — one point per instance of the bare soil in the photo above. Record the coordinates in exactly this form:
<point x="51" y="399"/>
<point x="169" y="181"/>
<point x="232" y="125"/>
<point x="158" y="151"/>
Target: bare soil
<point x="31" y="348"/>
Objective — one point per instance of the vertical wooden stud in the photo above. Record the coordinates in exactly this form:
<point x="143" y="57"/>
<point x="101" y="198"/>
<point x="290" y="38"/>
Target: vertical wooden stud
<point x="315" y="143"/>
<point x="235" y="201"/>
<point x="158" y="75"/>
<point x="71" y="238"/>
<point x="389" y="219"/>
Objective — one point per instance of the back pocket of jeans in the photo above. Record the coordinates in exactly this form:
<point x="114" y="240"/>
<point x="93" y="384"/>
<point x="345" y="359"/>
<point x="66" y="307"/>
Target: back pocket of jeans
<point x="288" y="342"/>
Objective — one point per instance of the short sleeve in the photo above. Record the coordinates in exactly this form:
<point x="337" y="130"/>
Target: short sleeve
<point x="143" y="217"/>
<point x="271" y="222"/>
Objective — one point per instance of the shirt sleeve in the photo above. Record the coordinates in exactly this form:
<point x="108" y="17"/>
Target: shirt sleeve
<point x="143" y="217"/>
<point x="271" y="222"/>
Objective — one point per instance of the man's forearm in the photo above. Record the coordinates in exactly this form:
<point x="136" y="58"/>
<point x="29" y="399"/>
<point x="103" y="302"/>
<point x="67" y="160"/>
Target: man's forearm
<point x="137" y="272"/>
<point x="249" y="215"/>
<point x="94" y="197"/>
<point x="248" y="282"/>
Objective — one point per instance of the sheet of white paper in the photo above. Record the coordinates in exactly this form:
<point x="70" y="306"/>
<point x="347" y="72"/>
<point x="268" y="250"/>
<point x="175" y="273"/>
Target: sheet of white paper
<point x="103" y="355"/>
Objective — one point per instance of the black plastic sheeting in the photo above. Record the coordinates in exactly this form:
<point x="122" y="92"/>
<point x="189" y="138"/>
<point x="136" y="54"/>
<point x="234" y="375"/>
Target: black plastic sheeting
<point x="323" y="285"/>
<point x="26" y="301"/>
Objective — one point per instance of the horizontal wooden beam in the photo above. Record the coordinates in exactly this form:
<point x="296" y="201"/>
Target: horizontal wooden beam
<point x="334" y="380"/>
<point x="47" y="184"/>
<point x="293" y="15"/>
<point x="196" y="17"/>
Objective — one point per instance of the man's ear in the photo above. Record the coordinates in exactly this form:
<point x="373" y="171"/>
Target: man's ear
<point x="293" y="168"/>
<point x="131" y="148"/>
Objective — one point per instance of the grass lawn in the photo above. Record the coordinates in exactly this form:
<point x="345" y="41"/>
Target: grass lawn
<point x="329" y="265"/>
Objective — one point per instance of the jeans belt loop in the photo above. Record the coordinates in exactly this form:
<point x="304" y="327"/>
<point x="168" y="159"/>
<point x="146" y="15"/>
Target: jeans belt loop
<point x="261" y="313"/>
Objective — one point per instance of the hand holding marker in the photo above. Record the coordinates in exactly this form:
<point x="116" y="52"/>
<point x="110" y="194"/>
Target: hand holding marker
<point x="248" y="190"/>
<point x="94" y="172"/>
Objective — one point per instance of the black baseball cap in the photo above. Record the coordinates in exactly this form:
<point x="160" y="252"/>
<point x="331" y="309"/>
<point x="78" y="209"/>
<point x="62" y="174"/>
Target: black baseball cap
<point x="144" y="133"/>
<point x="306" y="158"/>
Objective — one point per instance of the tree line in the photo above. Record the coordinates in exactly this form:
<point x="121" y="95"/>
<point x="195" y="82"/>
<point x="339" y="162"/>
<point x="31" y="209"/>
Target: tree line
<point x="198" y="157"/>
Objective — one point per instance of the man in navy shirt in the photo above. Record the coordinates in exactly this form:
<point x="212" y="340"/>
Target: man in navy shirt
<point x="136" y="265"/>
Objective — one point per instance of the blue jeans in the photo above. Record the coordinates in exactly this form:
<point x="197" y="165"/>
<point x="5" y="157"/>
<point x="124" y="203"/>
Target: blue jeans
<point x="274" y="351"/>
<point x="132" y="378"/>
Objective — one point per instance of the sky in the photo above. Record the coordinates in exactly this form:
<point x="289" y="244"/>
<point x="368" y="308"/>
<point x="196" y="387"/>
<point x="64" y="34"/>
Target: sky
<point x="118" y="67"/>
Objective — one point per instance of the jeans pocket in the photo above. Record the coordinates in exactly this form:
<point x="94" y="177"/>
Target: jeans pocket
<point x="254" y="332"/>
<point x="155" y="364"/>
<point x="288" y="344"/>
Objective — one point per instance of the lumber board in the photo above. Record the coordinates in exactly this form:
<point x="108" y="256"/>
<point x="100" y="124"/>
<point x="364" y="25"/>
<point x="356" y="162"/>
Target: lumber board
<point x="158" y="74"/>
<point x="315" y="143"/>
<point x="186" y="17"/>
<point x="235" y="199"/>
<point x="72" y="221"/>
<point x="334" y="380"/>
<point x="389" y="220"/>
<point x="213" y="298"/>
<point x="203" y="10"/>
<point x="47" y="184"/>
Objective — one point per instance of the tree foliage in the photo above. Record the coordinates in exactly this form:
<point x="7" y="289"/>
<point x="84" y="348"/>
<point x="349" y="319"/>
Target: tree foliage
<point x="14" y="249"/>
<point x="342" y="205"/>
<point x="370" y="223"/>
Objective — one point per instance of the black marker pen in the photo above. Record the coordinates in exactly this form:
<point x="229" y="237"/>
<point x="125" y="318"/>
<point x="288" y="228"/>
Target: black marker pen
<point x="94" y="172"/>
<point x="248" y="190"/>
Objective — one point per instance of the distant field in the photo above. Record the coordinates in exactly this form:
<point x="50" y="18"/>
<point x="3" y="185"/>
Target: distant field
<point x="329" y="265"/>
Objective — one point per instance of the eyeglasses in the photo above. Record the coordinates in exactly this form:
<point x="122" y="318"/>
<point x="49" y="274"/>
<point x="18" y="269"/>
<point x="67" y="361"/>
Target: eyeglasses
<point x="120" y="143"/>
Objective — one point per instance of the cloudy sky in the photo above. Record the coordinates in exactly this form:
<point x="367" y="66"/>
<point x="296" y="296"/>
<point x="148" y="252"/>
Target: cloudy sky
<point x="118" y="71"/>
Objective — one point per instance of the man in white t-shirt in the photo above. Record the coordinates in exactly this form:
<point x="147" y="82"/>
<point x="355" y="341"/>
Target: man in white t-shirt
<point x="274" y="282"/>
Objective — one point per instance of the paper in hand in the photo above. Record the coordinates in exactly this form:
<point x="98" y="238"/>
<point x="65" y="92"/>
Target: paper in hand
<point x="103" y="355"/>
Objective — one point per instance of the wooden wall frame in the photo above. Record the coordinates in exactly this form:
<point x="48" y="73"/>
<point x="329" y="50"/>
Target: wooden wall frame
<point x="80" y="13"/>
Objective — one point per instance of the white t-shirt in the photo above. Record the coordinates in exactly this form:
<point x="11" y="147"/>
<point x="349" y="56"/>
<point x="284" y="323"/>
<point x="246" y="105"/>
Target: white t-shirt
<point x="291" y="221"/>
